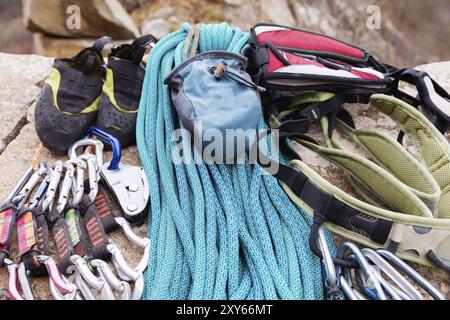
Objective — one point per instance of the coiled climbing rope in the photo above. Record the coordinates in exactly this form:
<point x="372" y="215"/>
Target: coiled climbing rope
<point x="217" y="231"/>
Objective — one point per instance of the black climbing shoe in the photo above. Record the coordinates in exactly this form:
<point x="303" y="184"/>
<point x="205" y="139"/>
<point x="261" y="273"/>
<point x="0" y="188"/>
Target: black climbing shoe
<point x="122" y="90"/>
<point x="70" y="98"/>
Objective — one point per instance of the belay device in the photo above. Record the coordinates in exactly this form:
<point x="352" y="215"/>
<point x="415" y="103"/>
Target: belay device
<point x="127" y="184"/>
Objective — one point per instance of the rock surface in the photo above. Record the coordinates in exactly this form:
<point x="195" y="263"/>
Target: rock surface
<point x="98" y="18"/>
<point x="19" y="83"/>
<point x="26" y="74"/>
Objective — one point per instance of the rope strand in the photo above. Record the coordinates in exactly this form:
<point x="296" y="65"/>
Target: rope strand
<point x="217" y="231"/>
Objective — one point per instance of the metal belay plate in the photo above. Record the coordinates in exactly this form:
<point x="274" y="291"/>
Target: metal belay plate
<point x="129" y="187"/>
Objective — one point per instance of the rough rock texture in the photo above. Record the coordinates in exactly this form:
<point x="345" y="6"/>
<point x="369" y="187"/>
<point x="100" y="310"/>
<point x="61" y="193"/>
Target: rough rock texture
<point x="98" y="18"/>
<point x="28" y="75"/>
<point x="19" y="83"/>
<point x="395" y="42"/>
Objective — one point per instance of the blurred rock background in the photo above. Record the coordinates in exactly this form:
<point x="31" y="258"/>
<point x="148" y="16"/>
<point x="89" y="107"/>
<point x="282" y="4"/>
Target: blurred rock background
<point x="412" y="32"/>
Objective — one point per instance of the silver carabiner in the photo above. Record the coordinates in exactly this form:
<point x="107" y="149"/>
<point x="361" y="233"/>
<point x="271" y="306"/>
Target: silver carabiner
<point x="27" y="189"/>
<point x="41" y="191"/>
<point x="13" y="281"/>
<point x="331" y="281"/>
<point x="78" y="181"/>
<point x="53" y="185"/>
<point x="98" y="283"/>
<point x="124" y="271"/>
<point x="93" y="173"/>
<point x="392" y="273"/>
<point x="122" y="287"/>
<point x="76" y="278"/>
<point x="412" y="274"/>
<point x="86" y="143"/>
<point x="66" y="186"/>
<point x="365" y="267"/>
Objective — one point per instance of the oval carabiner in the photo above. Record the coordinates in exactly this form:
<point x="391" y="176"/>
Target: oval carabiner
<point x="97" y="144"/>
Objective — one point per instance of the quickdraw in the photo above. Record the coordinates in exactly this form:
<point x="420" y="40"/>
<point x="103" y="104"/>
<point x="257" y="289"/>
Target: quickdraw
<point x="100" y="208"/>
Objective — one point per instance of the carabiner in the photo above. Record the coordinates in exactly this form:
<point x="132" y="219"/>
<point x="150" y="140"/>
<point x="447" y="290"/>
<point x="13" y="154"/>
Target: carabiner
<point x="122" y="287"/>
<point x="78" y="182"/>
<point x="331" y="281"/>
<point x="53" y="185"/>
<point x="13" y="281"/>
<point x="86" y="143"/>
<point x="40" y="193"/>
<point x="93" y="173"/>
<point x="66" y="186"/>
<point x="140" y="242"/>
<point x="27" y="189"/>
<point x="57" y="295"/>
<point x="84" y="289"/>
<point x="366" y="268"/>
<point x="96" y="282"/>
<point x="392" y="273"/>
<point x="124" y="271"/>
<point x="57" y="279"/>
<point x="17" y="188"/>
<point x="412" y="274"/>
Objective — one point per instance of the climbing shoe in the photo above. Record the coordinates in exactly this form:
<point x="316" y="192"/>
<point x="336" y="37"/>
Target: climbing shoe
<point x="121" y="94"/>
<point x="70" y="99"/>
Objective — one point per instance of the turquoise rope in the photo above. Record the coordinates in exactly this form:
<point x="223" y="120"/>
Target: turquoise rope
<point x="217" y="231"/>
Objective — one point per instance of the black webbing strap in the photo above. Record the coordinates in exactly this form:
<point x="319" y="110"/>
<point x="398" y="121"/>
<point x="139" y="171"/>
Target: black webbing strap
<point x="327" y="208"/>
<point x="418" y="79"/>
<point x="104" y="209"/>
<point x="95" y="230"/>
<point x="299" y="121"/>
<point x="64" y="245"/>
<point x="42" y="247"/>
